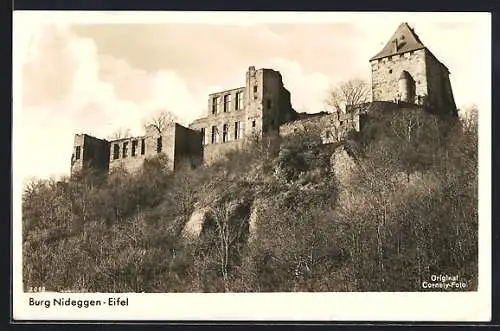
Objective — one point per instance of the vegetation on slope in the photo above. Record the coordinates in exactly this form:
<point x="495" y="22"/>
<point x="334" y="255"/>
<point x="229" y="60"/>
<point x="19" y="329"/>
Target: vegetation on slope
<point x="282" y="221"/>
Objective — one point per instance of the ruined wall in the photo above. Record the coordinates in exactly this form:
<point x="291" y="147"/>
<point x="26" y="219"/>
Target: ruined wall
<point x="207" y="123"/>
<point x="276" y="105"/>
<point x="440" y="95"/>
<point x="286" y="111"/>
<point x="214" y="152"/>
<point x="77" y="156"/>
<point x="331" y="127"/>
<point x="176" y="142"/>
<point x="188" y="151"/>
<point x="224" y="126"/>
<point x="234" y="101"/>
<point x="167" y="145"/>
<point x="132" y="162"/>
<point x="89" y="152"/>
<point x="254" y="86"/>
<point x="220" y="144"/>
<point x="387" y="71"/>
<point x="254" y="110"/>
<point x="127" y="158"/>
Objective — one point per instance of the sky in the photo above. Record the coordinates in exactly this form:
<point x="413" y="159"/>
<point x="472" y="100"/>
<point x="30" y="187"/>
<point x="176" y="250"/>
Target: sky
<point x="95" y="73"/>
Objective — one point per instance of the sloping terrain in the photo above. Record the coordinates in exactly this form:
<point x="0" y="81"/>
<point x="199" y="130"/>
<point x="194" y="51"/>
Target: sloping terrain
<point x="381" y="211"/>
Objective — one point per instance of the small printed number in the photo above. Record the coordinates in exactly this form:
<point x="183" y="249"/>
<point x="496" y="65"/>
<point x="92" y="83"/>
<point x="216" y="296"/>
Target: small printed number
<point x="37" y="289"/>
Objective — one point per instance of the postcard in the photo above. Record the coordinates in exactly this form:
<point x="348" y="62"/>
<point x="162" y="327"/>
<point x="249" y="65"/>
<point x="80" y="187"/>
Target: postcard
<point x="251" y="166"/>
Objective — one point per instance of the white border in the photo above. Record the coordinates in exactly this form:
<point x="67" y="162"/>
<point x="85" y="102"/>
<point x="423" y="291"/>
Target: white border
<point x="432" y="306"/>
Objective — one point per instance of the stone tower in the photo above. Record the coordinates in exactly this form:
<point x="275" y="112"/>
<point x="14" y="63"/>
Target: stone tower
<point x="267" y="101"/>
<point x="406" y="70"/>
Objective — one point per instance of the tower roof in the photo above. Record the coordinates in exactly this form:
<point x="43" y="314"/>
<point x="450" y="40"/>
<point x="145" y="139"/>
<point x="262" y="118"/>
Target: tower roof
<point x="402" y="41"/>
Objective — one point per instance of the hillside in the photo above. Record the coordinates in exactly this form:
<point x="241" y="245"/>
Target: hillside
<point x="381" y="211"/>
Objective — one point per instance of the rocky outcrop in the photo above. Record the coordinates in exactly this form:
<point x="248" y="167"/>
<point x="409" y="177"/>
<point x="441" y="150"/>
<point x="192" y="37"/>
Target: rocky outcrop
<point x="194" y="225"/>
<point x="232" y="211"/>
<point x="257" y="207"/>
<point x="342" y="165"/>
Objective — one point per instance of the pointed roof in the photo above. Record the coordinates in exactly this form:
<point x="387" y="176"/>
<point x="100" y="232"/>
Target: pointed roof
<point x="403" y="40"/>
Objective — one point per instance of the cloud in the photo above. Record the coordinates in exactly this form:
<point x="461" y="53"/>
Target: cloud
<point x="102" y="77"/>
<point x="211" y="54"/>
<point x="184" y="47"/>
<point x="50" y="61"/>
<point x="308" y="89"/>
<point x="68" y="87"/>
<point x="339" y="49"/>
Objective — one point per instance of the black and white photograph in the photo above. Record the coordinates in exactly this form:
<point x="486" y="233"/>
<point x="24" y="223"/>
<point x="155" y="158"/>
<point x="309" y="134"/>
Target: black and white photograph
<point x="224" y="165"/>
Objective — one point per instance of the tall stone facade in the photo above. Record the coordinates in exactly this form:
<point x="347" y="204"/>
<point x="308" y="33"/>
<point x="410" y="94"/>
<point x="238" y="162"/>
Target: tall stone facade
<point x="406" y="71"/>
<point x="235" y="116"/>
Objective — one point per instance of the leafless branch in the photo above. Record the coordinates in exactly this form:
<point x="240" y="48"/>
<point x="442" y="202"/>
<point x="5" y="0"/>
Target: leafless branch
<point x="160" y="120"/>
<point x="121" y="133"/>
<point x="348" y="93"/>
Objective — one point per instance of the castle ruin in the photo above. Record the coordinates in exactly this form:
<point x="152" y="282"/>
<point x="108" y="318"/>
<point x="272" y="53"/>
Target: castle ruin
<point x="404" y="71"/>
<point x="255" y="110"/>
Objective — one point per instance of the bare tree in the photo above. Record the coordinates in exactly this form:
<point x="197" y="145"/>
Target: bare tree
<point x="121" y="133"/>
<point x="160" y="120"/>
<point x="348" y="93"/>
<point x="469" y="117"/>
<point x="229" y="230"/>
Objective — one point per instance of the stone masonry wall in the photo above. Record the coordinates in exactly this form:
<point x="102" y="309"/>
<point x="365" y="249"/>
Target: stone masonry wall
<point x="386" y="73"/>
<point x="254" y="85"/>
<point x="439" y="86"/>
<point x="262" y="108"/>
<point x="287" y="113"/>
<point x="77" y="161"/>
<point x="235" y="101"/>
<point x="263" y="105"/>
<point x="188" y="149"/>
<point x="214" y="152"/>
<point x="276" y="106"/>
<point x="133" y="163"/>
<point x="213" y="149"/>
<point x="92" y="153"/>
<point x="332" y="127"/>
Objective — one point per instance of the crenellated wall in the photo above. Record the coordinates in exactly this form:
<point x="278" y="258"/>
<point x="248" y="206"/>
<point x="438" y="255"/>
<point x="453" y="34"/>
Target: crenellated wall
<point x="387" y="71"/>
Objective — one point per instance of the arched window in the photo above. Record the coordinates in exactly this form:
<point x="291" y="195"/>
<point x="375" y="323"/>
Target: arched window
<point x="406" y="87"/>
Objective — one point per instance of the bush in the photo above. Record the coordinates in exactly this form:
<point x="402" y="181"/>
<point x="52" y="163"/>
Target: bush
<point x="410" y="210"/>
